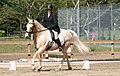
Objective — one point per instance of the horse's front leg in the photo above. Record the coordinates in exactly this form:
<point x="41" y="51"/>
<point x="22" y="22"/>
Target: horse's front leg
<point x="40" y="63"/>
<point x="33" y="61"/>
<point x="40" y="50"/>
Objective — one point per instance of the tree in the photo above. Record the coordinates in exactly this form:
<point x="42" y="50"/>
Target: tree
<point x="13" y="13"/>
<point x="2" y="2"/>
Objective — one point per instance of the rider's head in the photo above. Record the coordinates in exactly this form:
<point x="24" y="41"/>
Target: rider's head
<point x="49" y="8"/>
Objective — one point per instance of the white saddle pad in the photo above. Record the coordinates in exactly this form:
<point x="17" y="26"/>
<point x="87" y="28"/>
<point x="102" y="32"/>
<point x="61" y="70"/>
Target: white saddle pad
<point x="60" y="36"/>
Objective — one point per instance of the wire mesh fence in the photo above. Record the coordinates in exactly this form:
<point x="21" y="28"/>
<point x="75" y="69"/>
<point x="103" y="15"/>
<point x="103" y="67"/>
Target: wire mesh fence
<point x="103" y="20"/>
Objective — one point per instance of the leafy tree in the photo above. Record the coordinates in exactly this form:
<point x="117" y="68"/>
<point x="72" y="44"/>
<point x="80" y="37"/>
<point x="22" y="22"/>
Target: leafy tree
<point x="13" y="13"/>
<point x="2" y="2"/>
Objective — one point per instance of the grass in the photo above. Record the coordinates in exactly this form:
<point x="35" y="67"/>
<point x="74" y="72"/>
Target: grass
<point x="12" y="39"/>
<point x="11" y="48"/>
<point x="97" y="48"/>
<point x="8" y="48"/>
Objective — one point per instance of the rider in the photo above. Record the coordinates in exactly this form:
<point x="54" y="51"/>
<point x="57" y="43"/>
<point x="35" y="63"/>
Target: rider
<point x="50" y="21"/>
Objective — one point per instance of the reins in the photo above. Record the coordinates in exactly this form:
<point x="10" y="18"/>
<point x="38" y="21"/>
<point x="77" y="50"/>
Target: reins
<point x="42" y="30"/>
<point x="37" y="31"/>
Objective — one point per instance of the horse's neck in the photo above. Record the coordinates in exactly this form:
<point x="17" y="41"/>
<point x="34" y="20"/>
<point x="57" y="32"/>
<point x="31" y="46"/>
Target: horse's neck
<point x="39" y="26"/>
<point x="35" y="38"/>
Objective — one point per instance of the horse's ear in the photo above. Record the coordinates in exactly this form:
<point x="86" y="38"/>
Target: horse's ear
<point x="28" y="19"/>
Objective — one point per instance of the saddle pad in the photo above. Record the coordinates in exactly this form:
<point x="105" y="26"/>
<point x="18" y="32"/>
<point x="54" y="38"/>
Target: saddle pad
<point x="60" y="36"/>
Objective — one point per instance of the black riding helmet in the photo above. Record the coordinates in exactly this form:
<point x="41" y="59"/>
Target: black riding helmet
<point x="49" y="6"/>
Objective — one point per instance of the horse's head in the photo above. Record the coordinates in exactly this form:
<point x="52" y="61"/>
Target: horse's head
<point x="30" y="25"/>
<point x="33" y="26"/>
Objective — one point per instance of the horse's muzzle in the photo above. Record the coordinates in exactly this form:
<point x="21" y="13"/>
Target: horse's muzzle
<point x="26" y="35"/>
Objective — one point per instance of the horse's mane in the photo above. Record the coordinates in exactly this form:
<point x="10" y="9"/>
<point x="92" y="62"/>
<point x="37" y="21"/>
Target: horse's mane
<point x="39" y="24"/>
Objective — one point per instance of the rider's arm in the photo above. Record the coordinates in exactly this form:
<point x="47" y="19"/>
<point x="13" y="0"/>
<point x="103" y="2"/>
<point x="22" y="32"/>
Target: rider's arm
<point x="55" y="22"/>
<point x="44" y="21"/>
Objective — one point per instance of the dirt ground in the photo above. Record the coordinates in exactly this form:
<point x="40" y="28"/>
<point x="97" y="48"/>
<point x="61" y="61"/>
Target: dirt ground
<point x="96" y="69"/>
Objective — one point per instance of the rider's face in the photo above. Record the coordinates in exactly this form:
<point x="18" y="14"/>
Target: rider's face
<point x="49" y="10"/>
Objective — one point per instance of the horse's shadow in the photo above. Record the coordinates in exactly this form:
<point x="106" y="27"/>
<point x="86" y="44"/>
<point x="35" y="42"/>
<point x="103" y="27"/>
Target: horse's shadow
<point x="58" y="70"/>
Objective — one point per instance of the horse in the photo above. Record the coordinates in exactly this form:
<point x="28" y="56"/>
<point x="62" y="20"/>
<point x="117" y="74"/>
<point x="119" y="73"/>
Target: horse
<point x="42" y="41"/>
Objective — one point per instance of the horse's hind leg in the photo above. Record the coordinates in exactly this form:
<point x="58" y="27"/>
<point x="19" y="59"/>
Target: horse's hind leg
<point x="68" y="63"/>
<point x="60" y="66"/>
<point x="63" y="59"/>
<point x="65" y="56"/>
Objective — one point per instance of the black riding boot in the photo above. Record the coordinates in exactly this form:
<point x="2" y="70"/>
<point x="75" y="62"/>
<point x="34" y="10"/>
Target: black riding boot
<point x="59" y="44"/>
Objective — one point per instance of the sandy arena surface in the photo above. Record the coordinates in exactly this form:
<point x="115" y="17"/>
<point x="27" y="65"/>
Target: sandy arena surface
<point x="96" y="69"/>
<point x="49" y="69"/>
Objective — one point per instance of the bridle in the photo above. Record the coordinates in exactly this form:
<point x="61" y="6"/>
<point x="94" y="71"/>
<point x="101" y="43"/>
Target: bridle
<point x="34" y="27"/>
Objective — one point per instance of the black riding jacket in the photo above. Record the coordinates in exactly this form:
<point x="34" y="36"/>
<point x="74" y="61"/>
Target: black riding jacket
<point x="51" y="23"/>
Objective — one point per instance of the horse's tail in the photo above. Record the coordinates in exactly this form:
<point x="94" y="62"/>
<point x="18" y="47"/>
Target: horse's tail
<point x="75" y="40"/>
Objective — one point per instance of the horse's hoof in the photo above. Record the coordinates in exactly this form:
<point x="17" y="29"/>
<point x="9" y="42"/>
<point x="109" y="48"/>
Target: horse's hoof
<point x="70" y="68"/>
<point x="33" y="69"/>
<point x="39" y="69"/>
<point x="59" y="69"/>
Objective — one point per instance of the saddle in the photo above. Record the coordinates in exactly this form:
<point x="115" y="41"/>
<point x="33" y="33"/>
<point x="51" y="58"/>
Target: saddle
<point x="54" y="37"/>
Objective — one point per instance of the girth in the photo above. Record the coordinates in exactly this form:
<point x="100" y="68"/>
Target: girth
<point x="49" y="45"/>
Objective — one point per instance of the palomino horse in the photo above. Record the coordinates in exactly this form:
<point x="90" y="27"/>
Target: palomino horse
<point x="42" y="41"/>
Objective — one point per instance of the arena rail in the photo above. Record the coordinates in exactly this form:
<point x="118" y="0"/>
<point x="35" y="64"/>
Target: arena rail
<point x="112" y="42"/>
